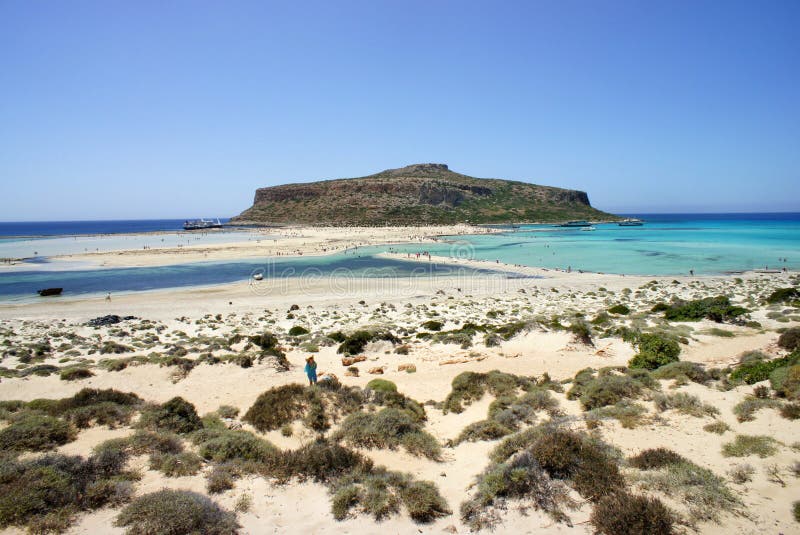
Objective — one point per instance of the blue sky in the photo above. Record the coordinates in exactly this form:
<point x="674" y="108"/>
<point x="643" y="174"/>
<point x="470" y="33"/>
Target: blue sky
<point x="153" y="109"/>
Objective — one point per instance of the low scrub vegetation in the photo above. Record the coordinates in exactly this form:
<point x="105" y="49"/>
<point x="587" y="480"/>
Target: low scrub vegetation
<point x="44" y="494"/>
<point x="745" y="445"/>
<point x="654" y="351"/>
<point x="718" y="309"/>
<point x="177" y="512"/>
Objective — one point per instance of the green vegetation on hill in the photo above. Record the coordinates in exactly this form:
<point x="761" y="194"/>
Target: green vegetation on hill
<point x="414" y="195"/>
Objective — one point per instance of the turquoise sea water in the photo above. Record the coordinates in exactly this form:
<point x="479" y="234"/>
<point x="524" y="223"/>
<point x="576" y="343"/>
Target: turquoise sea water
<point x="665" y="245"/>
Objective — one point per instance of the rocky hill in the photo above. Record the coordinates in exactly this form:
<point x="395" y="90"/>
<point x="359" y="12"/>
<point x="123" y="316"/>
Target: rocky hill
<point x="418" y="194"/>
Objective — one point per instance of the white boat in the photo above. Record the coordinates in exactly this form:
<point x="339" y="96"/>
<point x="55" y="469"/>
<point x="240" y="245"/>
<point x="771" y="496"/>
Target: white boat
<point x="258" y="276"/>
<point x="631" y="222"/>
<point x="585" y="229"/>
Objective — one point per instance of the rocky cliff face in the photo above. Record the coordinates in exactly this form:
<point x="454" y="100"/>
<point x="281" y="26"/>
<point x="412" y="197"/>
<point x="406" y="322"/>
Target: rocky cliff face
<point x="427" y="193"/>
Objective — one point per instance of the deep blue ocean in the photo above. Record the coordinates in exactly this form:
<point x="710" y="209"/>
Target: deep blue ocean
<point x="667" y="244"/>
<point x="71" y="228"/>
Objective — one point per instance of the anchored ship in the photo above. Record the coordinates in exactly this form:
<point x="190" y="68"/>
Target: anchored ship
<point x="201" y="224"/>
<point x="631" y="222"/>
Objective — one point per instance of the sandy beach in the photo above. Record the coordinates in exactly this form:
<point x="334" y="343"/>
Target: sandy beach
<point x="212" y="325"/>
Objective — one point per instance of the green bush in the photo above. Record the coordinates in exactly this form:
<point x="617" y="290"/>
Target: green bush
<point x="760" y="370"/>
<point x="176" y="415"/>
<point x="569" y="455"/>
<point x="784" y="295"/>
<point x="74" y="374"/>
<point x="609" y="390"/>
<point x="433" y="325"/>
<point x="176" y="464"/>
<point x="297" y="330"/>
<point x="627" y="514"/>
<point x="177" y="512"/>
<point x="685" y="404"/>
<point x="717" y="309"/>
<point x="471" y="386"/>
<point x="619" y="309"/>
<point x="482" y="430"/>
<point x="423" y="501"/>
<point x="383" y="429"/>
<point x="382" y="385"/>
<point x="745" y="410"/>
<point x="717" y="426"/>
<point x="356" y="342"/>
<point x="703" y="493"/>
<point x="655" y="458"/>
<point x="35" y="432"/>
<point x="791" y="411"/>
<point x="276" y="407"/>
<point x="237" y="446"/>
<point x="744" y="445"/>
<point x="790" y="339"/>
<point x="320" y="461"/>
<point x="654" y="351"/>
<point x="380" y="493"/>
<point x="46" y="492"/>
<point x="682" y="370"/>
<point x="796" y="511"/>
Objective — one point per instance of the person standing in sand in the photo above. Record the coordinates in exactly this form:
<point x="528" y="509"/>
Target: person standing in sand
<point x="311" y="370"/>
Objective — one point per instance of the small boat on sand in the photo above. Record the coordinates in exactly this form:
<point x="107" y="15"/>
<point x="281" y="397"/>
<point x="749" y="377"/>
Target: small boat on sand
<point x="258" y="276"/>
<point x="50" y="291"/>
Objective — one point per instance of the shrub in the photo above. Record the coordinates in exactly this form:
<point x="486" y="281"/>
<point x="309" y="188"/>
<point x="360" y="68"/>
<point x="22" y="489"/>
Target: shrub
<point x="582" y="332"/>
<point x="433" y="325"/>
<point x="320" y="461"/>
<point x="227" y="411"/>
<point x="628" y="413"/>
<point x="654" y="351"/>
<point x="717" y="426"/>
<point x="237" y="446"/>
<point x="717" y="309"/>
<point x="685" y="404"/>
<point x="297" y="330"/>
<point x="35" y="432"/>
<point x="176" y="415"/>
<point x="627" y="514"/>
<point x="384" y="429"/>
<point x="143" y="442"/>
<point x="356" y="342"/>
<point x="521" y="477"/>
<point x="471" y="386"/>
<point x="482" y="430"/>
<point x="423" y="501"/>
<point x="176" y="464"/>
<point x="382" y="385"/>
<point x="74" y="374"/>
<point x="608" y="390"/>
<point x="791" y="411"/>
<point x="655" y="458"/>
<point x="796" y="511"/>
<point x="275" y="407"/>
<point x="265" y="340"/>
<point x="176" y="512"/>
<point x="619" y="309"/>
<point x="569" y="455"/>
<point x="221" y="478"/>
<point x="45" y="492"/>
<point x="683" y="370"/>
<point x="783" y="295"/>
<point x="703" y="492"/>
<point x="741" y="473"/>
<point x="380" y="493"/>
<point x="744" y="445"/>
<point x="760" y="370"/>
<point x="745" y="410"/>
